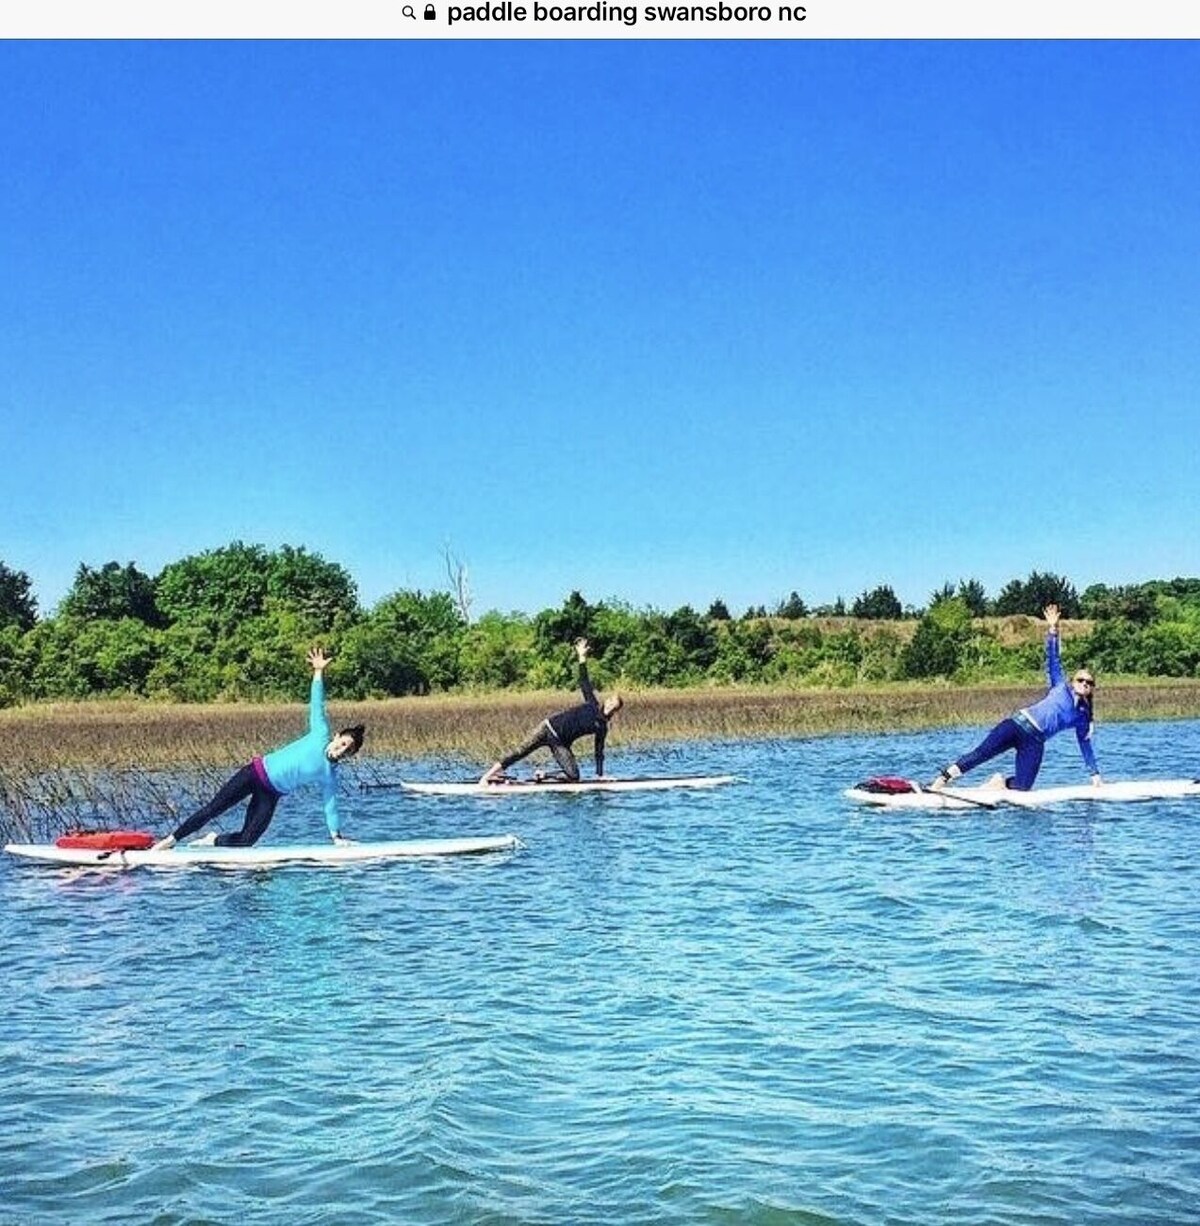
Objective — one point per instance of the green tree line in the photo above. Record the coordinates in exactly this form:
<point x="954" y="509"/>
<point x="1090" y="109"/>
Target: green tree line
<point x="233" y="623"/>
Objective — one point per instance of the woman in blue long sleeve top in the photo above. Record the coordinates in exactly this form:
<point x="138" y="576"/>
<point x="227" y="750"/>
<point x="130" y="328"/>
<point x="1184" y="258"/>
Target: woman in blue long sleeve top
<point x="311" y="759"/>
<point x="1068" y="704"/>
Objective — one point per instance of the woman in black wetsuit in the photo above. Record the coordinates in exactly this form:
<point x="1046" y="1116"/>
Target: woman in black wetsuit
<point x="559" y="732"/>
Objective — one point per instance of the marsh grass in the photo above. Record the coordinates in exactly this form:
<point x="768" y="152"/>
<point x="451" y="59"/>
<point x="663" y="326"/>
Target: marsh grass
<point x="113" y="764"/>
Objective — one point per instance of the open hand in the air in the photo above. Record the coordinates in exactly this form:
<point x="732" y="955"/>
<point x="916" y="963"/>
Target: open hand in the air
<point x="318" y="659"/>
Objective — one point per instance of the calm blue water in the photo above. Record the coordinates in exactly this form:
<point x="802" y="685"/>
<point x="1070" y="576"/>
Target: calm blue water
<point x="757" y="1005"/>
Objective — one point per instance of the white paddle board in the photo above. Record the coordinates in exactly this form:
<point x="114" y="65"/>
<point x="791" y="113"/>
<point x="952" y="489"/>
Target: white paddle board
<point x="184" y="855"/>
<point x="952" y="797"/>
<point x="532" y="787"/>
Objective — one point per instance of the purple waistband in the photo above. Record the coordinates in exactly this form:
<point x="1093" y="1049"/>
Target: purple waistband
<point x="260" y="772"/>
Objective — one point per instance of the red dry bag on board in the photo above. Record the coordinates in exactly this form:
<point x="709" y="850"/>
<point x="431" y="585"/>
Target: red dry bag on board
<point x="888" y="785"/>
<point x="106" y="840"/>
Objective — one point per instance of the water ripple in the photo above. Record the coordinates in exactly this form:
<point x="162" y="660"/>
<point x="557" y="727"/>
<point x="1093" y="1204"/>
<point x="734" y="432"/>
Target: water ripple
<point x="756" y="1005"/>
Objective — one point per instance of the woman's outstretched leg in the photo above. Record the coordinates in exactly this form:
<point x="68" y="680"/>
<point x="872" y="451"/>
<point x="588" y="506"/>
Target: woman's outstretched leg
<point x="233" y="791"/>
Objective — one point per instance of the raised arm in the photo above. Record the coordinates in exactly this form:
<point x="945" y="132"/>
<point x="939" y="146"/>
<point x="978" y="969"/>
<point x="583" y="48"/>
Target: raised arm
<point x="585" y="682"/>
<point x="317" y="719"/>
<point x="1053" y="662"/>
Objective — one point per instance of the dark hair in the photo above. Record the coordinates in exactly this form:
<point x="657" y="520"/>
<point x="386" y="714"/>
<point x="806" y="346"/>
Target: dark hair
<point x="356" y="734"/>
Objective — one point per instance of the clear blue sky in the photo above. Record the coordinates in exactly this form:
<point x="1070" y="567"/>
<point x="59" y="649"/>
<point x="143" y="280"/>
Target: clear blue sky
<point x="658" y="321"/>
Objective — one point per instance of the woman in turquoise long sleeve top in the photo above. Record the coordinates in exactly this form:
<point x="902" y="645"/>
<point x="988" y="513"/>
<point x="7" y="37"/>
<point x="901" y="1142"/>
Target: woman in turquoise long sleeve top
<point x="313" y="758"/>
<point x="1067" y="704"/>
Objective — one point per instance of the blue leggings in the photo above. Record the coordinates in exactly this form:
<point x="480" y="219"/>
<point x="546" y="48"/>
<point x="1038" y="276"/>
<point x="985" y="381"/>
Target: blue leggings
<point x="1008" y="734"/>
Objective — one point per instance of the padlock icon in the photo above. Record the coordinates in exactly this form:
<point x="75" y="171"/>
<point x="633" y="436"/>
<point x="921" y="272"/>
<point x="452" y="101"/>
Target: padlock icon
<point x="430" y="13"/>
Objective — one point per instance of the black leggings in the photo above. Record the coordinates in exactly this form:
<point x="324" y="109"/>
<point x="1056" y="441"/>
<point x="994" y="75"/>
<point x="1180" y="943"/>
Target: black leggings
<point x="546" y="738"/>
<point x="261" y="809"/>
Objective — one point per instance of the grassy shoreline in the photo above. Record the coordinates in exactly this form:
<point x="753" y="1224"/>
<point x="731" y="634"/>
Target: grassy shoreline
<point x="151" y="735"/>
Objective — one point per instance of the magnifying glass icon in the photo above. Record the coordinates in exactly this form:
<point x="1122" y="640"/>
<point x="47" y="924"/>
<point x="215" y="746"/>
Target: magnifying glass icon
<point x="409" y="11"/>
